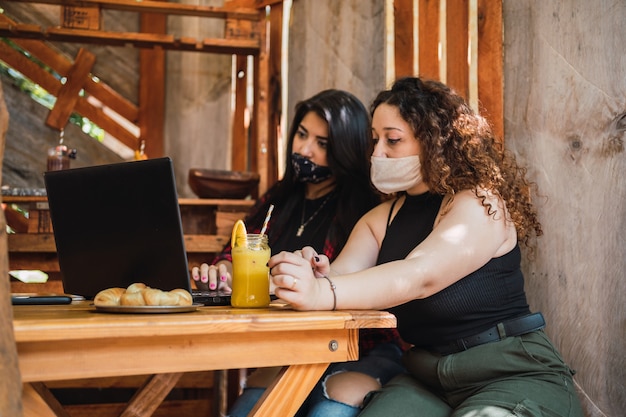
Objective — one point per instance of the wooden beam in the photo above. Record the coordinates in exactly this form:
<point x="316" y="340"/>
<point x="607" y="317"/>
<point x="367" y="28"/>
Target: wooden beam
<point x="239" y="145"/>
<point x="49" y="399"/>
<point x="274" y="103"/>
<point x="49" y="83"/>
<point x="66" y="100"/>
<point x="148" y="398"/>
<point x="429" y="39"/>
<point x="457" y="42"/>
<point x="152" y="89"/>
<point x="403" y="38"/>
<point x="161" y="7"/>
<point x="99" y="90"/>
<point x="490" y="64"/>
<point x="138" y="40"/>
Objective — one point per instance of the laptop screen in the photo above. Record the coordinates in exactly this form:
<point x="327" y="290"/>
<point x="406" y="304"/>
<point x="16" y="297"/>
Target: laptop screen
<point x="118" y="224"/>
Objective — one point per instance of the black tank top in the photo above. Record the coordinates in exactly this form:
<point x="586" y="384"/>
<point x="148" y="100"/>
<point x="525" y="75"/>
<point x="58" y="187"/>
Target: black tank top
<point x="493" y="293"/>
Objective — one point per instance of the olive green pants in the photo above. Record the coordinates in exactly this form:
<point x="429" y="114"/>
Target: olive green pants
<point x="522" y="376"/>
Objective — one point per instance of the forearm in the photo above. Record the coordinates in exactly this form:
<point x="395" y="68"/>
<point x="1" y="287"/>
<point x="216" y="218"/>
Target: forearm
<point x="379" y="287"/>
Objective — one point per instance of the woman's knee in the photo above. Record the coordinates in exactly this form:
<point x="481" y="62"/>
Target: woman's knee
<point x="349" y="387"/>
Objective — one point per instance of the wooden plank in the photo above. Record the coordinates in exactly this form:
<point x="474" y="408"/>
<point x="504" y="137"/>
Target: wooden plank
<point x="259" y="126"/>
<point x="152" y="89"/>
<point x="67" y="97"/>
<point x="99" y="90"/>
<point x="81" y="17"/>
<point x="107" y="123"/>
<point x="200" y="379"/>
<point x="404" y="43"/>
<point x="161" y="7"/>
<point x="490" y="64"/>
<point x="224" y="221"/>
<point x="49" y="83"/>
<point x="151" y="395"/>
<point x="29" y="69"/>
<point x="457" y="42"/>
<point x="48" y="361"/>
<point x="274" y="93"/>
<point x="49" y="399"/>
<point x="187" y="407"/>
<point x="60" y="64"/>
<point x="205" y="243"/>
<point x="138" y="40"/>
<point x="44" y="243"/>
<point x="33" y="404"/>
<point x="275" y="403"/>
<point x="31" y="242"/>
<point x="46" y="262"/>
<point x="239" y="145"/>
<point x="428" y="30"/>
<point x="241" y="29"/>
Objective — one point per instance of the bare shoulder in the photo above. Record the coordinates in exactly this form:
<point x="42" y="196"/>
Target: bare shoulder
<point x="472" y="206"/>
<point x="376" y="218"/>
<point x="473" y="199"/>
<point x="482" y="212"/>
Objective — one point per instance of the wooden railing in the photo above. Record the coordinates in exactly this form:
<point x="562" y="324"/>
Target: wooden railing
<point x="78" y="75"/>
<point x="245" y="34"/>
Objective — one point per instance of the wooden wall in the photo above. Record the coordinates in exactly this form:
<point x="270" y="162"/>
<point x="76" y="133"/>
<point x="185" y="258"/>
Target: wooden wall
<point x="565" y="115"/>
<point x="336" y="44"/>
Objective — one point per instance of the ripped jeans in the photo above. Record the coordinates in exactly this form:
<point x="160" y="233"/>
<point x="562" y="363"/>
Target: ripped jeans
<point x="382" y="364"/>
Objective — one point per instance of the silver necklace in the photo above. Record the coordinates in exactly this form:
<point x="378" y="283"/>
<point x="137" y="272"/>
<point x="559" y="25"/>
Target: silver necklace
<point x="303" y="223"/>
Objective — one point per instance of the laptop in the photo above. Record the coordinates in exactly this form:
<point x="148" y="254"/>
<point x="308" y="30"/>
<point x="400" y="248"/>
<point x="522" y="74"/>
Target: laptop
<point x="120" y="223"/>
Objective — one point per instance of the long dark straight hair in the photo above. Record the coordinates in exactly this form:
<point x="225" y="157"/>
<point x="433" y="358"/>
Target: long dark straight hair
<point x="348" y="154"/>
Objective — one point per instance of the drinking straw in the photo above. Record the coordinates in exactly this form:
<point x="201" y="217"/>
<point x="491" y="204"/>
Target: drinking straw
<point x="267" y="219"/>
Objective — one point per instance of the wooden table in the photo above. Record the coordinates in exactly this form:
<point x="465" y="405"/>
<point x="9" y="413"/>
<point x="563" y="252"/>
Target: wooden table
<point x="74" y="341"/>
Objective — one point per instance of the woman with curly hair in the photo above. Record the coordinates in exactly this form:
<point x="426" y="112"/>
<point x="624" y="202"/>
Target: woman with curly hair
<point x="443" y="256"/>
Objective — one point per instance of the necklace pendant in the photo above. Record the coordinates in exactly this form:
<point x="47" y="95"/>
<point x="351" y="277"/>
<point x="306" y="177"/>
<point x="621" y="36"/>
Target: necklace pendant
<point x="300" y="230"/>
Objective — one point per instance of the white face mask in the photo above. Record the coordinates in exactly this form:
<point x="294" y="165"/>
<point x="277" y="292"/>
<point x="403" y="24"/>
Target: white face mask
<point x="391" y="175"/>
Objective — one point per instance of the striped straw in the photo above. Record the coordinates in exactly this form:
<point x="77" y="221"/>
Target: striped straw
<point x="267" y="219"/>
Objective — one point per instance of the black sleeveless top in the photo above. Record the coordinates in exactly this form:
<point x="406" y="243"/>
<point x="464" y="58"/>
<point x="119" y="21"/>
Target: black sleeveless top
<point x="493" y="293"/>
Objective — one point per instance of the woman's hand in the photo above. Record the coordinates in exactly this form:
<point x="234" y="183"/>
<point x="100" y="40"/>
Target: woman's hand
<point x="213" y="277"/>
<point x="295" y="278"/>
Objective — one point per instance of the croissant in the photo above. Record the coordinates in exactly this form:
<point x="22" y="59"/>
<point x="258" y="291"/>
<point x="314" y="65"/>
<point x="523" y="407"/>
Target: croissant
<point x="154" y="297"/>
<point x="109" y="297"/>
<point x="132" y="299"/>
<point x="185" y="297"/>
<point x="138" y="294"/>
<point x="136" y="287"/>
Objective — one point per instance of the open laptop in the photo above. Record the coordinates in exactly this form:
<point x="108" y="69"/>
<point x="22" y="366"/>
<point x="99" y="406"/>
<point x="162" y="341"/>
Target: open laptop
<point x="120" y="223"/>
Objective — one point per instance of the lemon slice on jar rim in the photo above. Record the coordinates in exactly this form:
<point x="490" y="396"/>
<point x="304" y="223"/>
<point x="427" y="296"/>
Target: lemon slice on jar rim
<point x="239" y="235"/>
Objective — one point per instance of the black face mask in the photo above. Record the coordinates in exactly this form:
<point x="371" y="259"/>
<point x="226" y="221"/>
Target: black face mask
<point x="307" y="171"/>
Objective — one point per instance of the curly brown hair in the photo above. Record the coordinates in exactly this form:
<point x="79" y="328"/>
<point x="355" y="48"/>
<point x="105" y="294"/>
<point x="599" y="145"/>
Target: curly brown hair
<point x="460" y="150"/>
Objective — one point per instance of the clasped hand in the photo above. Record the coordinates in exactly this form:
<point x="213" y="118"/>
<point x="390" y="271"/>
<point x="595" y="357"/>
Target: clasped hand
<point x="295" y="277"/>
<point x="212" y="277"/>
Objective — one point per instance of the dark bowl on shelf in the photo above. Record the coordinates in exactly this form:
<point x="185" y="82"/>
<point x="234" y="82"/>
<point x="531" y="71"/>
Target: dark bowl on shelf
<point x="215" y="183"/>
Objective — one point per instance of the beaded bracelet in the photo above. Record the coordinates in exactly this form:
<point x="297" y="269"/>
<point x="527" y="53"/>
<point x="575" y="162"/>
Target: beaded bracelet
<point x="332" y="288"/>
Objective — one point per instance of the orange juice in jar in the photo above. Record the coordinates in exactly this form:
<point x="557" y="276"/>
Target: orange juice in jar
<point x="251" y="284"/>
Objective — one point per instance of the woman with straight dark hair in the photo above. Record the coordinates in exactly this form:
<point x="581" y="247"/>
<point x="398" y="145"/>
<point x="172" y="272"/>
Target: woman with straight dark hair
<point x="324" y="191"/>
